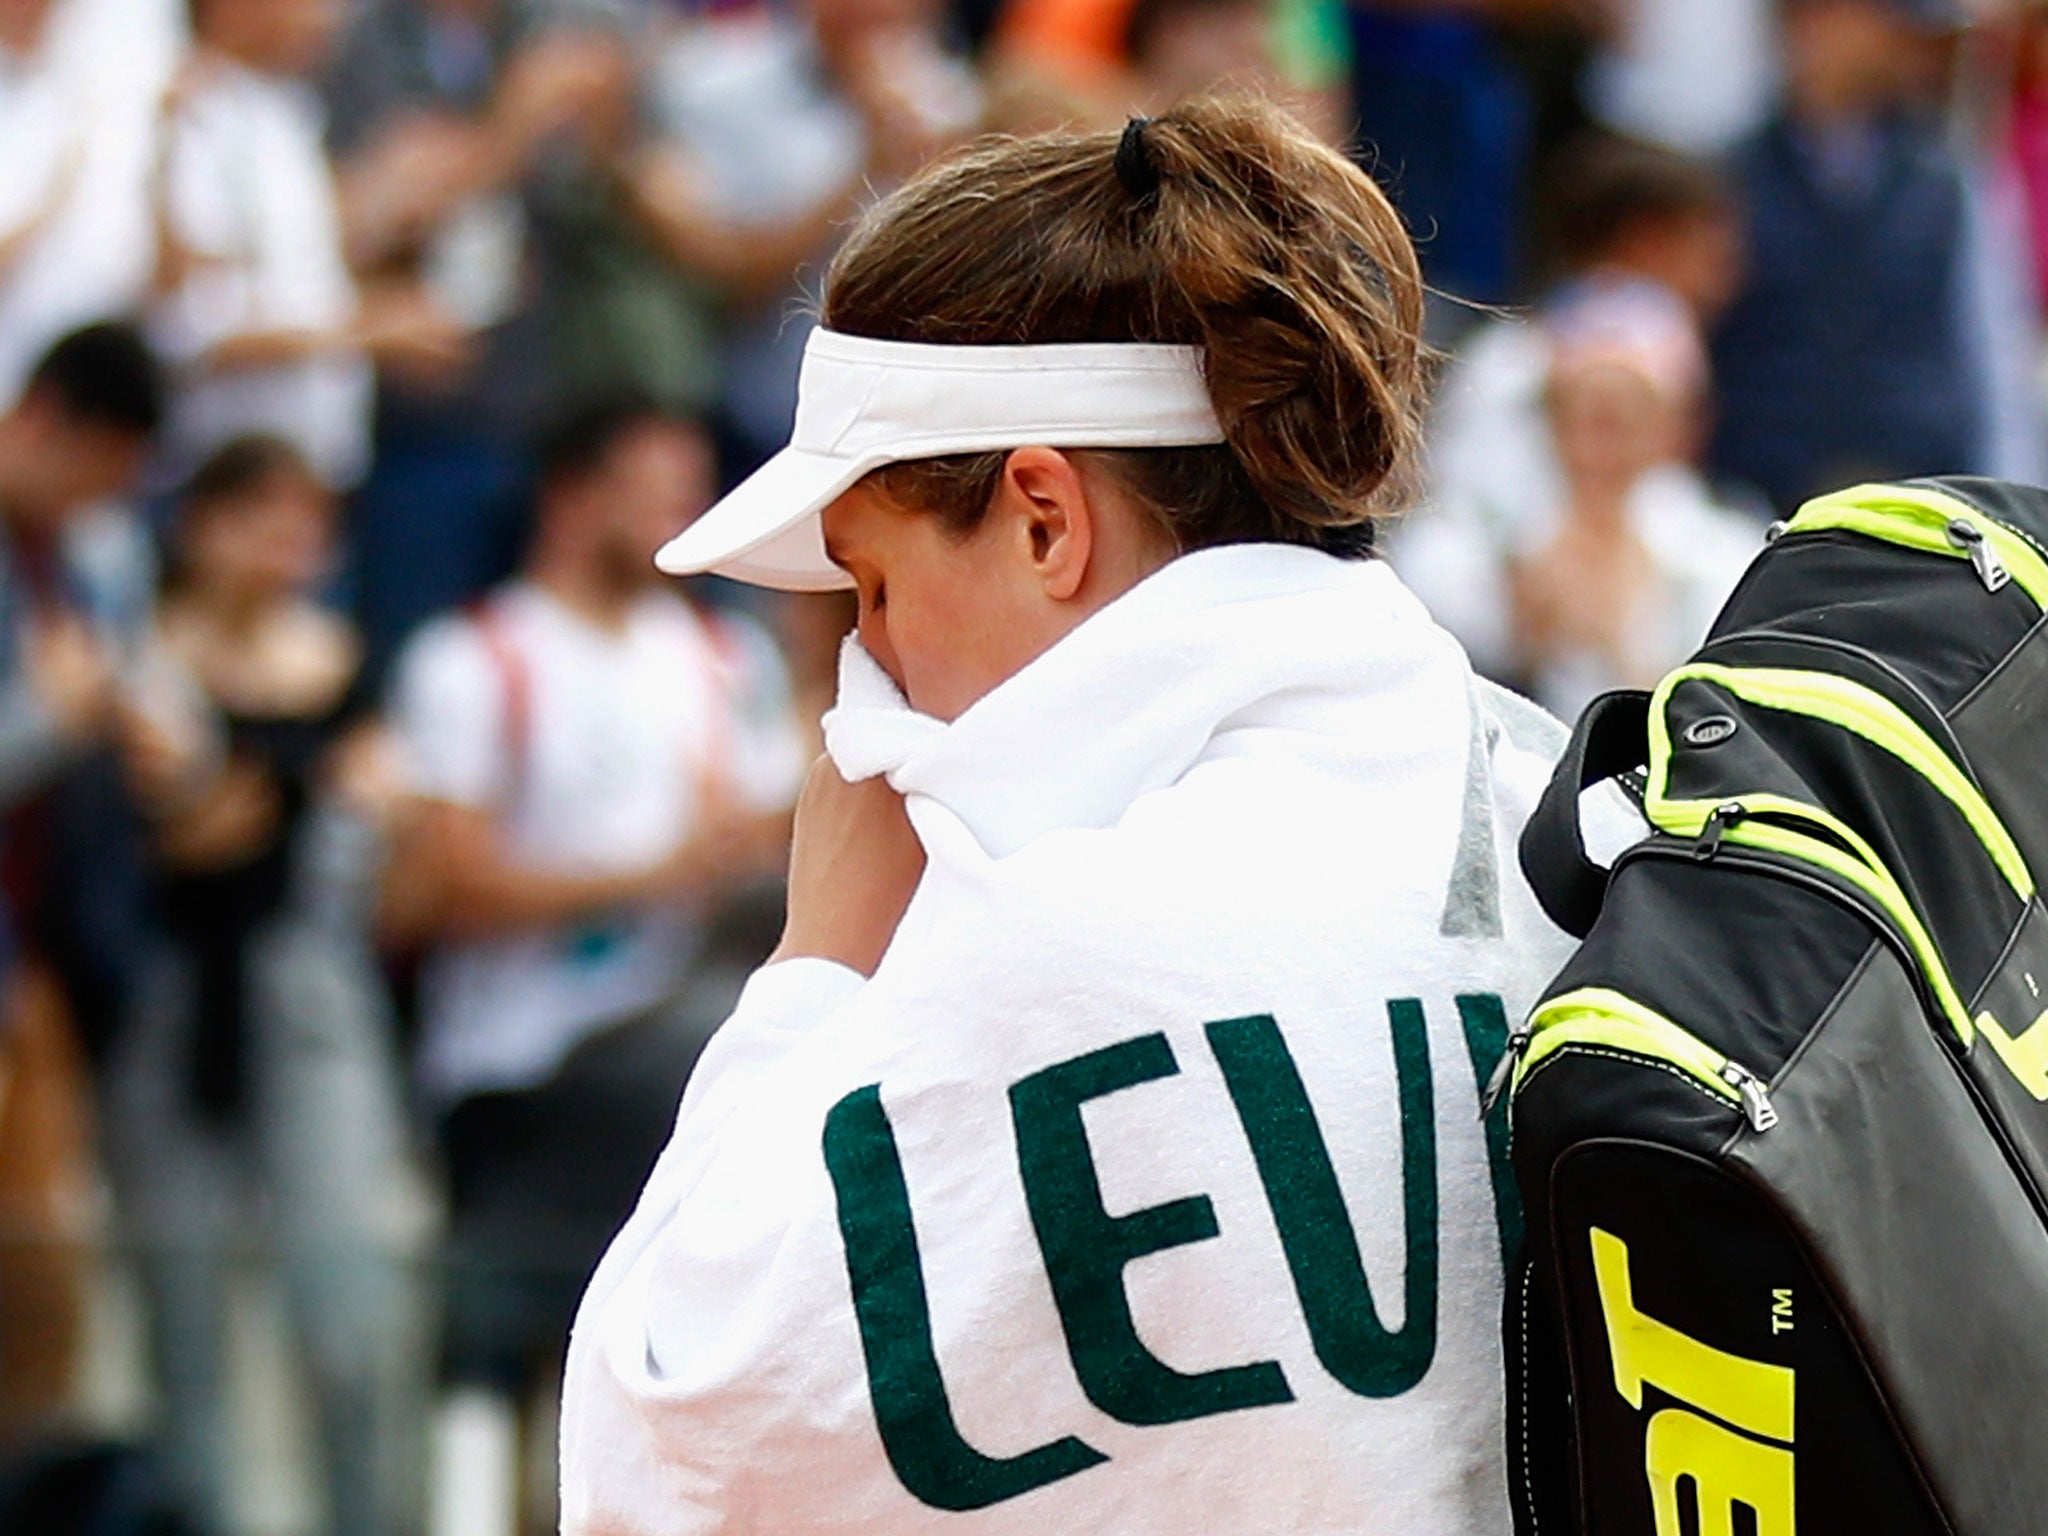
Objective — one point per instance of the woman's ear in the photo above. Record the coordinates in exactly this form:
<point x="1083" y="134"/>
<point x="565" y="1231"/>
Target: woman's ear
<point x="1045" y="498"/>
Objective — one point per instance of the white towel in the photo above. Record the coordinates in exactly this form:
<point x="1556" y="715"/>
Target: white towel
<point x="1142" y="1190"/>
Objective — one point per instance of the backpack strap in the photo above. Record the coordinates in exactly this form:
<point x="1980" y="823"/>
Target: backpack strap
<point x="1612" y="738"/>
<point x="515" y="688"/>
<point x="730" y="666"/>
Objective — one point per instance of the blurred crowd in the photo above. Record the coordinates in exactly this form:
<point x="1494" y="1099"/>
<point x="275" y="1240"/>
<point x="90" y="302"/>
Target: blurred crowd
<point x="380" y="838"/>
<point x="1783" y="249"/>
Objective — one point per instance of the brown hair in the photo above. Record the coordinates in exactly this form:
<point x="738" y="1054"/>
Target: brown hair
<point x="1608" y="187"/>
<point x="1222" y="224"/>
<point x="241" y="466"/>
<point x="224" y="482"/>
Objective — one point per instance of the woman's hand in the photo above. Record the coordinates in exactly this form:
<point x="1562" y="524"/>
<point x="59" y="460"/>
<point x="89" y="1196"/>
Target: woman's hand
<point x="167" y="766"/>
<point x="365" y="771"/>
<point x="854" y="862"/>
<point x="558" y="83"/>
<point x="229" y="825"/>
<point x="1582" y="592"/>
<point x="405" y="331"/>
<point x="71" y="675"/>
<point x="396" y="191"/>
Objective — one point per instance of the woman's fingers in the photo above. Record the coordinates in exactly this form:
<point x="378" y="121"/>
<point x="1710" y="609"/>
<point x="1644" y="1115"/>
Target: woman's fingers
<point x="854" y="863"/>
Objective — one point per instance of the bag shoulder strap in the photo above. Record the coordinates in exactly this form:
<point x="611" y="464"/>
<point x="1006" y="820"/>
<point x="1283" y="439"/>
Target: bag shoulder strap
<point x="726" y="653"/>
<point x="515" y="688"/>
<point x="1610" y="740"/>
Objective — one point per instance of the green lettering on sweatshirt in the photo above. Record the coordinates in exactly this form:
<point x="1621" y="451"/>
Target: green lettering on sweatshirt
<point x="924" y="1444"/>
<point x="1086" y="1249"/>
<point x="1308" y="1206"/>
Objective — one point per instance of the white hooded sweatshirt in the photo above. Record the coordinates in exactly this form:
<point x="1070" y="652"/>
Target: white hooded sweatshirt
<point x="1142" y="1189"/>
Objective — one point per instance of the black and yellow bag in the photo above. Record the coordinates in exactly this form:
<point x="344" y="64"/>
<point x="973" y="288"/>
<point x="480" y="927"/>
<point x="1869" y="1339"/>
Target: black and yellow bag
<point x="1781" y="1126"/>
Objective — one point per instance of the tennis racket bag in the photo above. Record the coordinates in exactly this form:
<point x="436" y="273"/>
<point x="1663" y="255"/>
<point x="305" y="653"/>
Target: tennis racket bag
<point x="1781" y="1126"/>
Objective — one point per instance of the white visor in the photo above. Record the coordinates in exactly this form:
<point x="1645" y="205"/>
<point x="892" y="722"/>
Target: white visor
<point x="863" y="403"/>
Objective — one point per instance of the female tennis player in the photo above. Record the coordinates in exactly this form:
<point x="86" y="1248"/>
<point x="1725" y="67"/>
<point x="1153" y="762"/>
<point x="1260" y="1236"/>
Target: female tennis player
<point x="1100" y="1152"/>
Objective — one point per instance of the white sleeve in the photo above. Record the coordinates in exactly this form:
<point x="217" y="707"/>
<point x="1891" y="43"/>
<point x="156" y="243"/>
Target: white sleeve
<point x="284" y="268"/>
<point x="302" y="278"/>
<point x="449" y="708"/>
<point x="216" y="297"/>
<point x="646" y="1448"/>
<point x="33" y="126"/>
<point x="210" y="307"/>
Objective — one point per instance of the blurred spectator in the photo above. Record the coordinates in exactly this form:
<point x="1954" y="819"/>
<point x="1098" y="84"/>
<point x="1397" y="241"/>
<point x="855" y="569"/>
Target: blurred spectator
<point x="1856" y="350"/>
<point x="1077" y="48"/>
<point x="437" y="110"/>
<point x="1101" y="58"/>
<point x="1448" y="102"/>
<point x="1617" y="580"/>
<point x="464" y="133"/>
<point x="1642" y="557"/>
<point x="77" y="116"/>
<point x="76" y="590"/>
<point x="1297" y="52"/>
<point x="74" y="442"/>
<point x="256" y="303"/>
<point x="1697" y="78"/>
<point x="1624" y="214"/>
<point x="1987" y="108"/>
<point x="2030" y="131"/>
<point x="1444" y="122"/>
<point x="625" y="311"/>
<point x="75" y="580"/>
<point x="590" y="772"/>
<point x="128" y="46"/>
<point x="1636" y="210"/>
<point x="772" y="125"/>
<point x="256" y="1072"/>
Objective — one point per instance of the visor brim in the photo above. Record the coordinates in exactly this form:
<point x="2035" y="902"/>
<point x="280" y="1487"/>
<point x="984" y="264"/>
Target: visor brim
<point x="765" y="531"/>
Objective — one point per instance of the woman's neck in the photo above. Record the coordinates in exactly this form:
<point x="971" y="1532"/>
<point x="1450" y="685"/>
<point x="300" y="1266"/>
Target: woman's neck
<point x="591" y="594"/>
<point x="1600" y="503"/>
<point x="281" y="657"/>
<point x="236" y="616"/>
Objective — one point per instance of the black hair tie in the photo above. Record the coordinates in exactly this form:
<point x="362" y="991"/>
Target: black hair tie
<point x="1134" y="166"/>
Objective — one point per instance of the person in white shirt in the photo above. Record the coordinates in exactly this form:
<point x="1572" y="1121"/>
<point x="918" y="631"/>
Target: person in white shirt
<point x="255" y="303"/>
<point x="773" y="123"/>
<point x="1698" y="78"/>
<point x="589" y="776"/>
<point x="1611" y="575"/>
<point x="1623" y="582"/>
<point x="78" y="117"/>
<point x="1623" y="214"/>
<point x="1101" y="1150"/>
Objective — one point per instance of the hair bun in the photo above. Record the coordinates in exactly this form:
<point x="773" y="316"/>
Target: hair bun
<point x="1135" y="167"/>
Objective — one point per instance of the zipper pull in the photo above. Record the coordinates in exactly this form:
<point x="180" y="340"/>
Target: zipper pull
<point x="1709" y="841"/>
<point x="1969" y="538"/>
<point x="1504" y="1069"/>
<point x="1756" y="1104"/>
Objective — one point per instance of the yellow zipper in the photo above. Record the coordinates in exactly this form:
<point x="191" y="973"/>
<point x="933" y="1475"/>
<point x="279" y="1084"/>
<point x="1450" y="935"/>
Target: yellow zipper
<point x="1917" y="518"/>
<point x="1730" y="820"/>
<point x="1596" y="1019"/>
<point x="1876" y="882"/>
<point x="1867" y="713"/>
